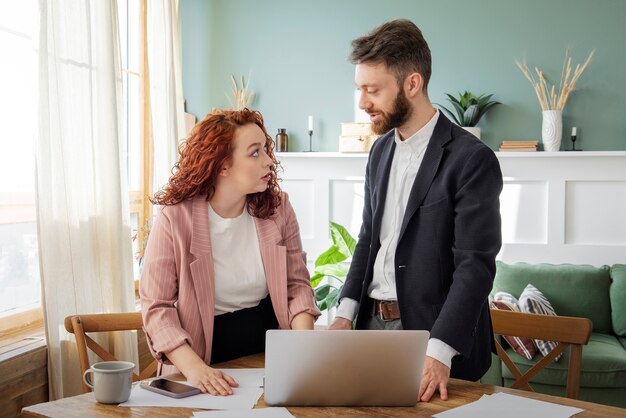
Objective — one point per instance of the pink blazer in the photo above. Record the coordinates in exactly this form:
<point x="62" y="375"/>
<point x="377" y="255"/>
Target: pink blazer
<point x="177" y="281"/>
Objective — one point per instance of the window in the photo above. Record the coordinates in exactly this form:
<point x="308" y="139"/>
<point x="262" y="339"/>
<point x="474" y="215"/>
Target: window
<point x="132" y="51"/>
<point x="20" y="292"/>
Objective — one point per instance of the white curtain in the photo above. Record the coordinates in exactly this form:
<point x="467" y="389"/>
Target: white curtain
<point x="166" y="86"/>
<point x="82" y="197"/>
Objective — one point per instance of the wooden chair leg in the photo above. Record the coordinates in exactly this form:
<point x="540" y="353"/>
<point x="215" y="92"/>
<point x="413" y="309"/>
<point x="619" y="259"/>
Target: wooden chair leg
<point x="573" y="376"/>
<point x="82" y="348"/>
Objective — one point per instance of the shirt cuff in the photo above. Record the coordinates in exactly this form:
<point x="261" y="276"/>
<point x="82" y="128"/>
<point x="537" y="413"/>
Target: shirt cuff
<point x="347" y="309"/>
<point x="441" y="351"/>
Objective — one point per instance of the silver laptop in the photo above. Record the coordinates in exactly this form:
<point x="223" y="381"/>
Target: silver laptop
<point x="344" y="368"/>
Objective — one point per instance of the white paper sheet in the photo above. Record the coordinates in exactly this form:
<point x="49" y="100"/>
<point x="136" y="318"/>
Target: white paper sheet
<point x="246" y="377"/>
<point x="244" y="397"/>
<point x="253" y="413"/>
<point x="511" y="406"/>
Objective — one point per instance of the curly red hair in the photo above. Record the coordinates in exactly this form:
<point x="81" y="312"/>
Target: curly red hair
<point x="208" y="148"/>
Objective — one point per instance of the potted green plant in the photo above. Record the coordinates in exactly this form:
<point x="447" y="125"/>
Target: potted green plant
<point x="330" y="264"/>
<point x="469" y="110"/>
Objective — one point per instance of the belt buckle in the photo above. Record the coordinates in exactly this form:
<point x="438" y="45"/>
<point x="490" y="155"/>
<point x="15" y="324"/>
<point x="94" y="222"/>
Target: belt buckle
<point x="382" y="307"/>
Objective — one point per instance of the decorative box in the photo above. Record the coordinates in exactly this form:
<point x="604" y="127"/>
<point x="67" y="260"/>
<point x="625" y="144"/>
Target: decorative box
<point x="356" y="143"/>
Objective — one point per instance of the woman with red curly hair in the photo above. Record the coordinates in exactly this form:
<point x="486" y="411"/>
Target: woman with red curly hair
<point x="224" y="262"/>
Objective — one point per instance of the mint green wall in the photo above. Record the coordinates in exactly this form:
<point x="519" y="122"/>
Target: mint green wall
<point x="295" y="53"/>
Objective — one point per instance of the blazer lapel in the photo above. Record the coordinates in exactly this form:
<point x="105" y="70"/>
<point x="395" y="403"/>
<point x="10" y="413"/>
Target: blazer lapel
<point x="427" y="170"/>
<point x="202" y="272"/>
<point x="381" y="184"/>
<point x="274" y="258"/>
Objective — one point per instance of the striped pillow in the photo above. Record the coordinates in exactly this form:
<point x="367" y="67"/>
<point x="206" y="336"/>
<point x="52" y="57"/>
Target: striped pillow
<point x="533" y="301"/>
<point x="501" y="296"/>
<point x="522" y="345"/>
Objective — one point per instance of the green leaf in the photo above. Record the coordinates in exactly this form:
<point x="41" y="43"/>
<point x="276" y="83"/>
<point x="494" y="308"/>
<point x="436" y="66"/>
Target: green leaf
<point x="483" y="110"/>
<point x="452" y="115"/>
<point x="336" y="270"/>
<point x="470" y="115"/>
<point x="460" y="111"/>
<point x="330" y="256"/>
<point x="484" y="100"/>
<point x="453" y="99"/>
<point x="332" y="298"/>
<point x="322" y="292"/>
<point x="329" y="264"/>
<point x="316" y="279"/>
<point x="463" y="101"/>
<point x="342" y="239"/>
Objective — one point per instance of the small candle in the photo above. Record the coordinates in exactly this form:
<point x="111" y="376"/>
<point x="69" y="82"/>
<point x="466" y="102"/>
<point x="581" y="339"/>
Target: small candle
<point x="310" y="123"/>
<point x="574" y="131"/>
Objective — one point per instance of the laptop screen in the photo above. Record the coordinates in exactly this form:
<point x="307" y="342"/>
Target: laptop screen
<point x="344" y="368"/>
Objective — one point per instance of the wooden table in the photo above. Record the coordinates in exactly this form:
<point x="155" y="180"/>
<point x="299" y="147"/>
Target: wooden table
<point x="460" y="392"/>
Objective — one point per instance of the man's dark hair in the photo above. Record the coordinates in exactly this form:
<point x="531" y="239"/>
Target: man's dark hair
<point x="398" y="44"/>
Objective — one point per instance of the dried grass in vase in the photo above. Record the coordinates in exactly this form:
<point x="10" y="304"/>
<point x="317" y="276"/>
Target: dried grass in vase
<point x="549" y="97"/>
<point x="242" y="95"/>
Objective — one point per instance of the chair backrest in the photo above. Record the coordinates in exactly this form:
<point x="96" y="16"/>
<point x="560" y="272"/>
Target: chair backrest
<point x="565" y="330"/>
<point x="80" y="325"/>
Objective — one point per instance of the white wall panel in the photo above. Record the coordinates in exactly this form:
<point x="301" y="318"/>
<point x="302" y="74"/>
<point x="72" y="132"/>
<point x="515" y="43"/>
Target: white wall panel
<point x="302" y="198"/>
<point x="596" y="213"/>
<point x="524" y="211"/>
<point x="346" y="204"/>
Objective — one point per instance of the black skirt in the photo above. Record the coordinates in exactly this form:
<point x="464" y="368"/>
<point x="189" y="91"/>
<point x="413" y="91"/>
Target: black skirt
<point x="241" y="333"/>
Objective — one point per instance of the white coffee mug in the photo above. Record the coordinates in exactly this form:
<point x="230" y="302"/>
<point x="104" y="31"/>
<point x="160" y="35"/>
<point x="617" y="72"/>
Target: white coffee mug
<point x="111" y="380"/>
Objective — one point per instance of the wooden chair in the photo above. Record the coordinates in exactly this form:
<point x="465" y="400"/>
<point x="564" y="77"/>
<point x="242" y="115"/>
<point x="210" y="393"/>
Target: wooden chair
<point x="565" y="330"/>
<point x="80" y="325"/>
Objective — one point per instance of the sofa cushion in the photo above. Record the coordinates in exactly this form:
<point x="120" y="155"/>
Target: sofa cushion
<point x="573" y="290"/>
<point x="604" y="365"/>
<point x="532" y="301"/>
<point x="618" y="299"/>
<point x="522" y="346"/>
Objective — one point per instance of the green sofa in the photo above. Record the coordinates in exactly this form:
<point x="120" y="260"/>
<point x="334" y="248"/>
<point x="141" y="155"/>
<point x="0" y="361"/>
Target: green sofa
<point x="597" y="293"/>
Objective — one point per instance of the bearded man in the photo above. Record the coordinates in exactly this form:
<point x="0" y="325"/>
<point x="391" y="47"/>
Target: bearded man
<point x="425" y="257"/>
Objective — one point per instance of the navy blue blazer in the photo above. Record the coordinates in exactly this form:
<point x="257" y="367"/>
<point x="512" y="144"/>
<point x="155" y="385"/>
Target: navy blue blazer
<point x="450" y="236"/>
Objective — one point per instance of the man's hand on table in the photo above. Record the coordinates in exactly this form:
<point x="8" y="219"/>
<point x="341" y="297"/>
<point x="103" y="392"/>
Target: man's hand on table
<point x="434" y="377"/>
<point x="340" y="323"/>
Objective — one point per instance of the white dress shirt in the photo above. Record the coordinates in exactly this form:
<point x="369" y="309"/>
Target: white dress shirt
<point x="239" y="274"/>
<point x="406" y="162"/>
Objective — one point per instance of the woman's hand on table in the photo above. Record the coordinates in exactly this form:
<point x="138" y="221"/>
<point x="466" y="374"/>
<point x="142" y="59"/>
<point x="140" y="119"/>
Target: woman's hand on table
<point x="213" y="381"/>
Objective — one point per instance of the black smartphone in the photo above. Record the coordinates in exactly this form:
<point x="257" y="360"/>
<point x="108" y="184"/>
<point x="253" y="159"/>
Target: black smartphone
<point x="170" y="388"/>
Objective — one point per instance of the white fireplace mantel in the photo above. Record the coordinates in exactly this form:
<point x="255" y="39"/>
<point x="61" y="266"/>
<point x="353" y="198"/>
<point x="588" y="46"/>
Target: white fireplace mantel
<point x="559" y="207"/>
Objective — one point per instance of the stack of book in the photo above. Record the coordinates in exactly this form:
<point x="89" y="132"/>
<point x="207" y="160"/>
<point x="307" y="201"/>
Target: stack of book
<point x="518" y="146"/>
<point x="356" y="137"/>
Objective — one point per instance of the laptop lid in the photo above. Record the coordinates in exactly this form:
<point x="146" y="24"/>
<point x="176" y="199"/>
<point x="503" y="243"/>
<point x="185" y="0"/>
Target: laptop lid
<point x="344" y="368"/>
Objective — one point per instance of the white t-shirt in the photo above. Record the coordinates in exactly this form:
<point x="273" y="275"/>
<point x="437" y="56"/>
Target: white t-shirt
<point x="239" y="274"/>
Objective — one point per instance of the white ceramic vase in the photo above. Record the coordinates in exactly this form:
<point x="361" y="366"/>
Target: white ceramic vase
<point x="473" y="130"/>
<point x="551" y="130"/>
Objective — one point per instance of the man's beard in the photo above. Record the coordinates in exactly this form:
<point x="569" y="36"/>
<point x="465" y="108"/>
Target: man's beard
<point x="399" y="114"/>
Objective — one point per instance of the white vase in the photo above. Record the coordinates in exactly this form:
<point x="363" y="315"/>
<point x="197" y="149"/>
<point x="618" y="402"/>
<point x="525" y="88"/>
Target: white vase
<point x="473" y="130"/>
<point x="551" y="130"/>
